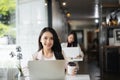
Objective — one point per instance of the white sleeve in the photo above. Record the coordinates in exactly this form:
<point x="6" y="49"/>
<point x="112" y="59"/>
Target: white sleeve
<point x="64" y="44"/>
<point x="81" y="52"/>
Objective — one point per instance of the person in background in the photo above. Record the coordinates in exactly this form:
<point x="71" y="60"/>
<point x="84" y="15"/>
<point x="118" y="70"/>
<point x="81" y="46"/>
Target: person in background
<point x="49" y="46"/>
<point x="72" y="39"/>
<point x="72" y="42"/>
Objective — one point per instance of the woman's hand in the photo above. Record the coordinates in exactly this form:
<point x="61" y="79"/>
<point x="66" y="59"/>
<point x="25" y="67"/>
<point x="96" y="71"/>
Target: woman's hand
<point x="74" y="72"/>
<point x="79" y="56"/>
<point x="72" y="68"/>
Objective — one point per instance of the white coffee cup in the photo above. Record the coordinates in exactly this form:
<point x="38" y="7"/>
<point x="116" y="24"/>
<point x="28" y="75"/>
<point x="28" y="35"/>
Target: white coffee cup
<point x="71" y="68"/>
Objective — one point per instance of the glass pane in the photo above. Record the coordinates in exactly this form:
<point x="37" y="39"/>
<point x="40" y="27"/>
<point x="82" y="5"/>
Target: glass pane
<point x="7" y="31"/>
<point x="7" y="22"/>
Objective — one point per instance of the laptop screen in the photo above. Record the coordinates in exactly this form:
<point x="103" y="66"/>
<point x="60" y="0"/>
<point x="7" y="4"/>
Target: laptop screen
<point x="47" y="70"/>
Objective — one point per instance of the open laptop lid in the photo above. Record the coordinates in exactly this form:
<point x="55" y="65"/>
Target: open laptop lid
<point x="71" y="52"/>
<point x="47" y="70"/>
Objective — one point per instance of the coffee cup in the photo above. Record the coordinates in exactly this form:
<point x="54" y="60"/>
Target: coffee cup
<point x="71" y="68"/>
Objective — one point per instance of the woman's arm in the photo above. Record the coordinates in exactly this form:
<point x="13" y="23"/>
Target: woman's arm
<point x="81" y="55"/>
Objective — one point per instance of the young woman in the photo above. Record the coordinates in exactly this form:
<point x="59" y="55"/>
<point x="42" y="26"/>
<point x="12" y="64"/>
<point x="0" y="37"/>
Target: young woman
<point x="72" y="42"/>
<point x="49" y="46"/>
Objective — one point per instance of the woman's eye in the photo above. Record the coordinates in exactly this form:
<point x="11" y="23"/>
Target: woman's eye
<point x="51" y="38"/>
<point x="45" y="37"/>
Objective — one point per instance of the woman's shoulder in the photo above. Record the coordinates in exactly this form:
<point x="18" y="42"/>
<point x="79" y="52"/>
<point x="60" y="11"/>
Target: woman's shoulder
<point x="78" y="45"/>
<point x="37" y="55"/>
<point x="64" y="44"/>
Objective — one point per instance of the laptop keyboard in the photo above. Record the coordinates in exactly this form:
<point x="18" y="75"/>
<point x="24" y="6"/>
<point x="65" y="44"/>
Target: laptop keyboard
<point x="75" y="78"/>
<point x="78" y="77"/>
<point x="72" y="78"/>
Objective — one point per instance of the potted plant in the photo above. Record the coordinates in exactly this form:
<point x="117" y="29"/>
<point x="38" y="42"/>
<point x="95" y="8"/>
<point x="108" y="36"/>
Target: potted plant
<point x="19" y="57"/>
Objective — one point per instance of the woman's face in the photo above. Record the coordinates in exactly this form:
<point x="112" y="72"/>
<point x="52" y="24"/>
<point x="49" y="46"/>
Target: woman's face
<point x="70" y="38"/>
<point x="47" y="40"/>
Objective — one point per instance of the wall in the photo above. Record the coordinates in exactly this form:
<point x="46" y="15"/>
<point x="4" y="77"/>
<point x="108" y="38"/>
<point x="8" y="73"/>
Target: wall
<point x="59" y="21"/>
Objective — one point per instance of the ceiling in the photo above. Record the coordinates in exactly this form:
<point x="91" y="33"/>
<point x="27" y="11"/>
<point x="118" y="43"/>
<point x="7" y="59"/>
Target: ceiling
<point x="82" y="11"/>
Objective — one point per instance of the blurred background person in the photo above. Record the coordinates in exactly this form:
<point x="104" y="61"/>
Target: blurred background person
<point x="72" y="41"/>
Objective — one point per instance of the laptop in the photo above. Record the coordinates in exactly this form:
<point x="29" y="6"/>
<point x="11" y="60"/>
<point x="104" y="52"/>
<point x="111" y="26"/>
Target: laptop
<point x="71" y="53"/>
<point x="47" y="70"/>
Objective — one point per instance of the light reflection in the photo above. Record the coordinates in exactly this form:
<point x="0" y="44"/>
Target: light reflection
<point x="96" y="11"/>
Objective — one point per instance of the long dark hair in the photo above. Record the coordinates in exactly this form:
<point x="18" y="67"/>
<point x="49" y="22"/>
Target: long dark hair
<point x="75" y="42"/>
<point x="56" y="46"/>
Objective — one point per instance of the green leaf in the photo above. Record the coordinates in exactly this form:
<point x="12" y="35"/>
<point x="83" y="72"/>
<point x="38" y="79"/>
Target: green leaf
<point x="7" y="6"/>
<point x="4" y="29"/>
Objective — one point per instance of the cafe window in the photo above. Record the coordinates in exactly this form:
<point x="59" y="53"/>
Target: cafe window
<point x="7" y="28"/>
